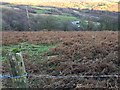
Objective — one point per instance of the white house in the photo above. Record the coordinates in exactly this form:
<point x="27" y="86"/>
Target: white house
<point x="76" y="23"/>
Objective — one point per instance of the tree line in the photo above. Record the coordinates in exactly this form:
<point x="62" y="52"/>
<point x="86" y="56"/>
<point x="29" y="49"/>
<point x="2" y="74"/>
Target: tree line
<point x="17" y="20"/>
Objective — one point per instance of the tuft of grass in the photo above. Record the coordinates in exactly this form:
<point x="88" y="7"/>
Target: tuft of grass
<point x="30" y="49"/>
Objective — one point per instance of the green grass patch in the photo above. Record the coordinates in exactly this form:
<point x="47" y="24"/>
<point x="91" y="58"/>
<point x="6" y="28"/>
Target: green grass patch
<point x="38" y="7"/>
<point x="41" y="11"/>
<point x="62" y="18"/>
<point x="66" y="14"/>
<point x="31" y="50"/>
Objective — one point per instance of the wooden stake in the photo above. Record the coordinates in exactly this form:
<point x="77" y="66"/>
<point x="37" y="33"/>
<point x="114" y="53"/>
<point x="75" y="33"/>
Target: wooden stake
<point x="18" y="71"/>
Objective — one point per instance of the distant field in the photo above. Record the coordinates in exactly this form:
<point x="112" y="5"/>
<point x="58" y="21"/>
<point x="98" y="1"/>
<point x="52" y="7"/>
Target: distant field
<point x="107" y="6"/>
<point x="59" y="18"/>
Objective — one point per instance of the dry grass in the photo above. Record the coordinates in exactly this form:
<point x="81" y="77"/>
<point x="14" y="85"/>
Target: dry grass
<point x="14" y="37"/>
<point x="86" y="53"/>
<point x="110" y="6"/>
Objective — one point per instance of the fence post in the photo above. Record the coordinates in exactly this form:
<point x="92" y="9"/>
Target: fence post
<point x="19" y="79"/>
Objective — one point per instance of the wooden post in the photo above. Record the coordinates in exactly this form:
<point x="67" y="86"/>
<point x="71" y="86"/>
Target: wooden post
<point x="19" y="79"/>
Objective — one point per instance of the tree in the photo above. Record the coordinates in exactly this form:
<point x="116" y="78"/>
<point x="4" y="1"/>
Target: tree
<point x="90" y="25"/>
<point x="15" y="19"/>
<point x="50" y="23"/>
<point x="65" y="25"/>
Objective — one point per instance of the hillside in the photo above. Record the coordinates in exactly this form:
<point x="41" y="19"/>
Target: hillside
<point x="60" y="0"/>
<point x="38" y="17"/>
<point x="82" y="4"/>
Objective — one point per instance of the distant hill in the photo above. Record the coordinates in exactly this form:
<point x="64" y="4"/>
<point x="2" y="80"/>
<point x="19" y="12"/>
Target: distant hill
<point x="60" y="0"/>
<point x="107" y="5"/>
